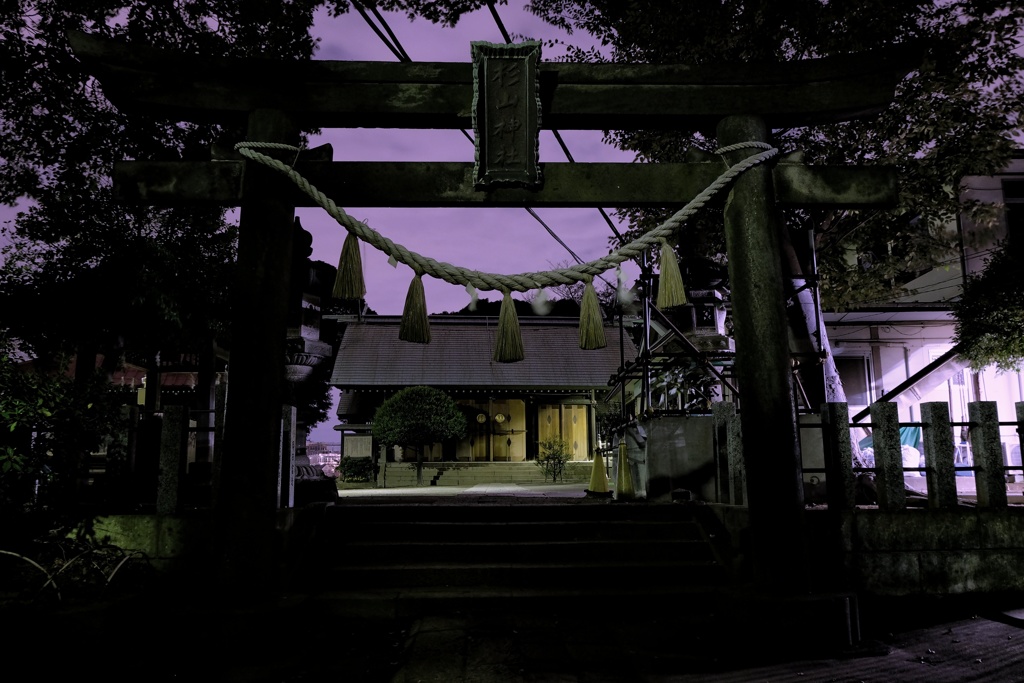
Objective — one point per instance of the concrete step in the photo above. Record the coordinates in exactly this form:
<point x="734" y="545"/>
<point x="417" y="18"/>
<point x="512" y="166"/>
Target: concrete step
<point x="347" y="514"/>
<point x="477" y="551"/>
<point x="587" y="561"/>
<point x="591" y="577"/>
<point x="470" y="553"/>
<point x="617" y="597"/>
<point x="483" y="531"/>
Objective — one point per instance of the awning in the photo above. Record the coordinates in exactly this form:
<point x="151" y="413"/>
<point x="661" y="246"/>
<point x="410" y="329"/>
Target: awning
<point x="909" y="436"/>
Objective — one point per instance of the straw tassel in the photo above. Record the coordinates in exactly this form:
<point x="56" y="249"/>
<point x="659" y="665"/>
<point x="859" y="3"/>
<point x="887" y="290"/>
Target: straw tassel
<point x="348" y="283"/>
<point x="670" y="281"/>
<point x="415" y="327"/>
<point x="508" y="347"/>
<point x="591" y="320"/>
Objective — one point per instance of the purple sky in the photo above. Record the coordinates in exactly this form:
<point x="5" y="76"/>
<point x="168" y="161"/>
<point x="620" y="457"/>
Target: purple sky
<point x="504" y="241"/>
<point x="492" y="240"/>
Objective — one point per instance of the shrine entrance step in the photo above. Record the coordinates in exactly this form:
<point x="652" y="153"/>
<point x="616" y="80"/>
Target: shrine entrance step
<point x="399" y="559"/>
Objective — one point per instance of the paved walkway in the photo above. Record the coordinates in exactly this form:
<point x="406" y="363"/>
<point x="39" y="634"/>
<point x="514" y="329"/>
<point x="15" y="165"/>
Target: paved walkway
<point x="933" y="642"/>
<point x="983" y="649"/>
<point x="292" y="639"/>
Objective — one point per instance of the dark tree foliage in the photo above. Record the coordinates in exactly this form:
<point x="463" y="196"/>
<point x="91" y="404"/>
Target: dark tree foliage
<point x="954" y="116"/>
<point x="79" y="268"/>
<point x="957" y="115"/>
<point x="102" y="272"/>
<point x="990" y="314"/>
<point x="80" y="273"/>
<point x="418" y="416"/>
<point x="48" y="424"/>
<point x="444" y="12"/>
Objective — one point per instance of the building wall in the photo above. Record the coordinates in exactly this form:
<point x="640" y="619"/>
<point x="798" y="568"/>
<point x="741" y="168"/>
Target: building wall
<point x="568" y="422"/>
<point x="978" y="242"/>
<point x="500" y="433"/>
<point x="508" y="429"/>
<point x="908" y="337"/>
<point x="504" y="429"/>
<point x="899" y="351"/>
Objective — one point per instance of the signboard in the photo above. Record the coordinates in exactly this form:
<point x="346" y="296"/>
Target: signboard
<point x="358" y="445"/>
<point x="506" y="114"/>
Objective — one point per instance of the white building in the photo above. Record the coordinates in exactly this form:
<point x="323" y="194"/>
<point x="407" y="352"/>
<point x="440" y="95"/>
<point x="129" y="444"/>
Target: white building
<point x="901" y="351"/>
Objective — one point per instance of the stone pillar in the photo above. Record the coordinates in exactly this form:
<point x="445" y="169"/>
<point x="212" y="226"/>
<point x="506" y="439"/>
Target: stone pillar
<point x="153" y="383"/>
<point x="247" y="499"/>
<point x="219" y="414"/>
<point x="771" y="443"/>
<point x="885" y="436"/>
<point x="173" y="437"/>
<point x="131" y="438"/>
<point x="737" y="467"/>
<point x="286" y="467"/>
<point x="841" y="480"/>
<point x="728" y="449"/>
<point x="680" y="454"/>
<point x="989" y="475"/>
<point x="720" y="413"/>
<point x="937" y="440"/>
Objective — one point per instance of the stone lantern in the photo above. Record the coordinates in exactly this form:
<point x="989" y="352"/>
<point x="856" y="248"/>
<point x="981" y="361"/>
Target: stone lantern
<point x="703" y="319"/>
<point x="304" y="349"/>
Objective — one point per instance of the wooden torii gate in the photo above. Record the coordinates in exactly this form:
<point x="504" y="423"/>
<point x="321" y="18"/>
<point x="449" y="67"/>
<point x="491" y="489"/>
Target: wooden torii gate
<point x="275" y="100"/>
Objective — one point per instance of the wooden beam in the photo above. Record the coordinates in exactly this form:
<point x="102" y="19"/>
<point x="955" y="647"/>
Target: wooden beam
<point x="332" y="94"/>
<point x="450" y="184"/>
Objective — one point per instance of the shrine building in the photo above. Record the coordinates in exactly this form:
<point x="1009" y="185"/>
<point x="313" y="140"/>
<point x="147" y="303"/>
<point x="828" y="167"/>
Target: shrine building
<point x="554" y="392"/>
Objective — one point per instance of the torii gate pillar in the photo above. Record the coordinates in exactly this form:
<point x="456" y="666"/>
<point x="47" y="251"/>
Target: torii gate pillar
<point x="246" y="499"/>
<point x="771" y="443"/>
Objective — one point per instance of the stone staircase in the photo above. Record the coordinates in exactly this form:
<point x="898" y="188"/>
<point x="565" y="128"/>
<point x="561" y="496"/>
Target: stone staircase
<point x="440" y="556"/>
<point x="403" y="474"/>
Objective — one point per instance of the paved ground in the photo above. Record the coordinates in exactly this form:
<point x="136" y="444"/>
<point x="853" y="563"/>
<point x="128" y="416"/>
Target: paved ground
<point x="290" y="643"/>
<point x="956" y="651"/>
<point x="929" y="641"/>
<point x="965" y="489"/>
<point x="291" y="639"/>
